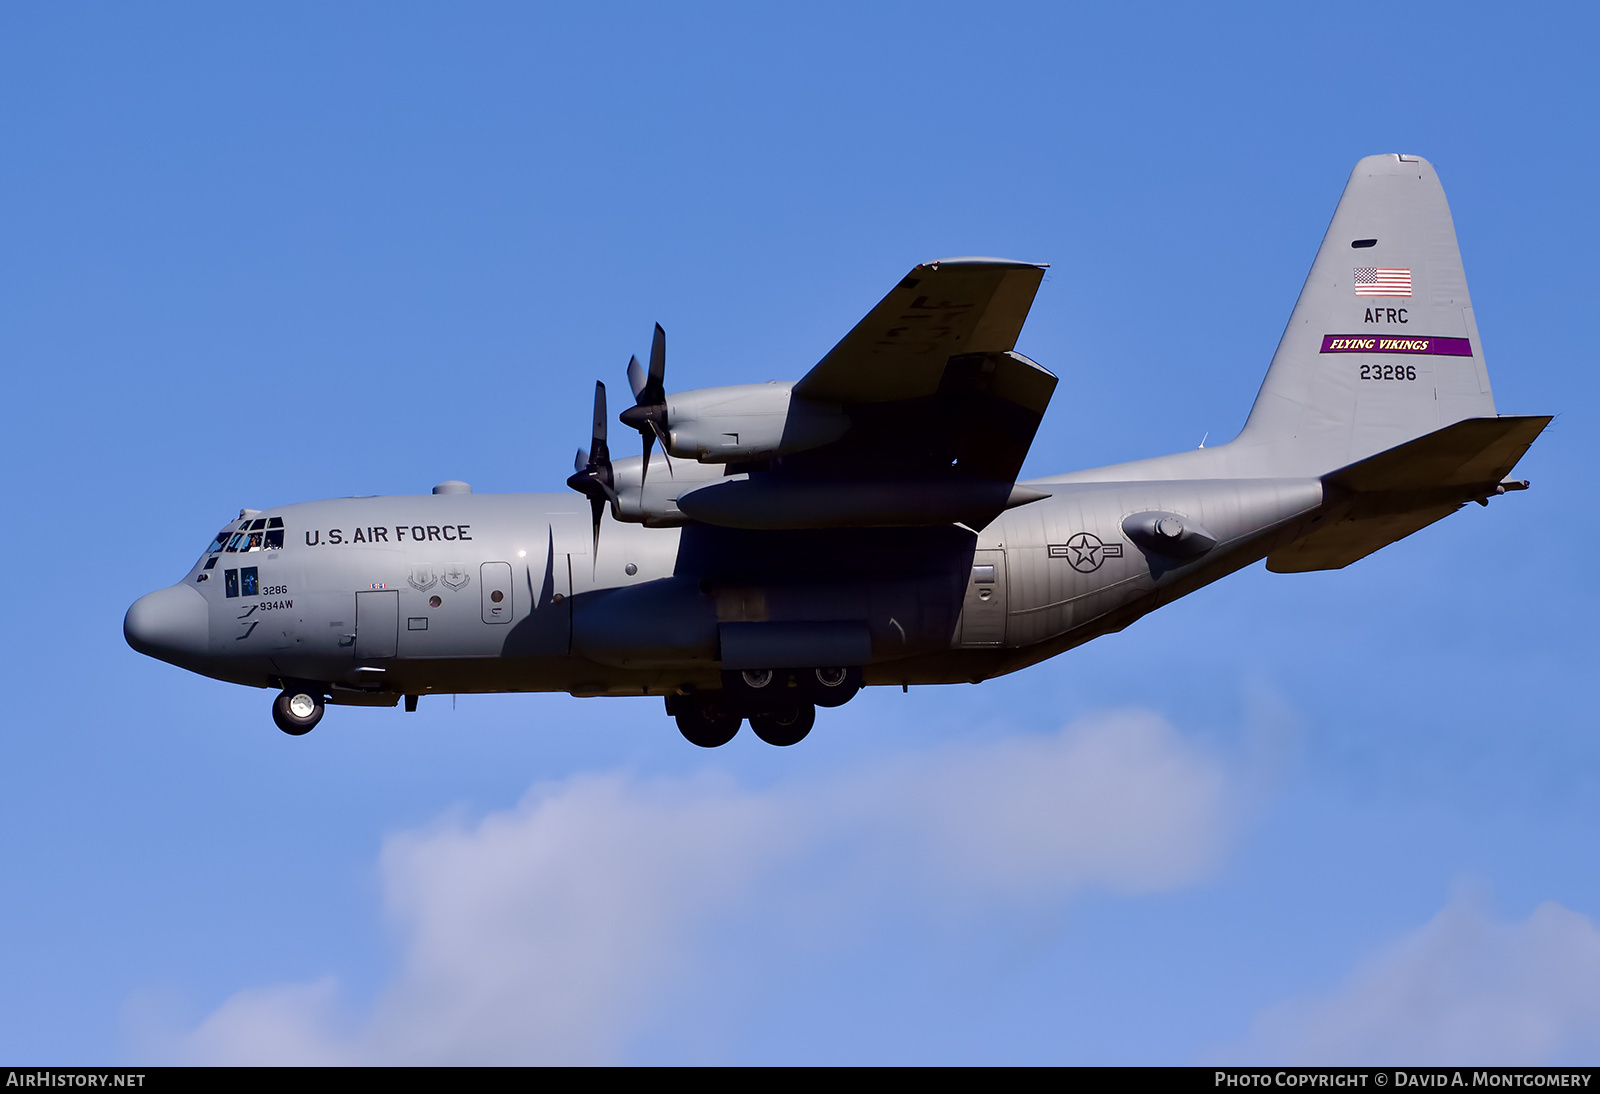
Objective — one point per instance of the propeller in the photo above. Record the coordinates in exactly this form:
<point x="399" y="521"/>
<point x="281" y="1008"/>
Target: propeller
<point x="593" y="478"/>
<point x="648" y="414"/>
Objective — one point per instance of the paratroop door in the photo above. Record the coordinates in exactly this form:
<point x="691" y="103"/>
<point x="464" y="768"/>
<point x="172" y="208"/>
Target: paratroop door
<point x="377" y="623"/>
<point x="983" y="611"/>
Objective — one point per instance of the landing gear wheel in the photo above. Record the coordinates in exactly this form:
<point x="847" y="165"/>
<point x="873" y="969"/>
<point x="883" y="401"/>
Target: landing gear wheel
<point x="754" y="690"/>
<point x="785" y="727"/>
<point x="830" y="687"/>
<point x="708" y="724"/>
<point x="297" y="711"/>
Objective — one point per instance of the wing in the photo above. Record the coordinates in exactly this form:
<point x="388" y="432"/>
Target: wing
<point x="938" y="310"/>
<point x="941" y="413"/>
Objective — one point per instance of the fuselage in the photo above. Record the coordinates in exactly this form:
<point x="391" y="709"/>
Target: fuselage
<point x="379" y="597"/>
<point x="864" y="525"/>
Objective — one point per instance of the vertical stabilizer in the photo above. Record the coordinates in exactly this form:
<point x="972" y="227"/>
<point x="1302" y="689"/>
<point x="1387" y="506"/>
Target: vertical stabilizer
<point x="1381" y="347"/>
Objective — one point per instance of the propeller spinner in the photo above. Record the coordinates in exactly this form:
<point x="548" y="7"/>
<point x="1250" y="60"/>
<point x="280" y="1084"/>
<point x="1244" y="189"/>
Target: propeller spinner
<point x="593" y="478"/>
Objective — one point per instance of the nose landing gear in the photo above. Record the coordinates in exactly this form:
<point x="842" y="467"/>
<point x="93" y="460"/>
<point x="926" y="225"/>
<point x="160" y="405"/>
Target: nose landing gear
<point x="297" y="711"/>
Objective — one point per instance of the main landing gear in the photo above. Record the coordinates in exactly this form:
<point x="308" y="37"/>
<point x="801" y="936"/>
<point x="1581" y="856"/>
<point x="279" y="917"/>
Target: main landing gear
<point x="781" y="704"/>
<point x="297" y="710"/>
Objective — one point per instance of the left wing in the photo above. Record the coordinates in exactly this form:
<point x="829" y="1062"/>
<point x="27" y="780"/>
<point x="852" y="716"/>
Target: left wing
<point x="941" y="413"/>
<point x="938" y="310"/>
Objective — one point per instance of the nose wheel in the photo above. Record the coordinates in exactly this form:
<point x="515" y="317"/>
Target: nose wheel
<point x="297" y="711"/>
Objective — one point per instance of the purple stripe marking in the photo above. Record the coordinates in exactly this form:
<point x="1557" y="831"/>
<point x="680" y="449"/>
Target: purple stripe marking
<point x="1396" y="343"/>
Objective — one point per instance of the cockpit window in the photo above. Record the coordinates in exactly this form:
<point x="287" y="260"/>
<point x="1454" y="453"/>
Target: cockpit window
<point x="261" y="534"/>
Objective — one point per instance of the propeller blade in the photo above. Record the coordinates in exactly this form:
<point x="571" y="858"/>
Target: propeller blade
<point x="599" y="443"/>
<point x="581" y="461"/>
<point x="661" y="435"/>
<point x="636" y="377"/>
<point x="597" y="507"/>
<point x="658" y="366"/>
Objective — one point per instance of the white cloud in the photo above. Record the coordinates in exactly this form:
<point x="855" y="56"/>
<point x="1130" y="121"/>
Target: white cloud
<point x="1461" y="990"/>
<point x="560" y="930"/>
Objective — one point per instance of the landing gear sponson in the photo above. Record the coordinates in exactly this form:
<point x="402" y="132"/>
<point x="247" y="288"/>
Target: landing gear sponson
<point x="781" y="704"/>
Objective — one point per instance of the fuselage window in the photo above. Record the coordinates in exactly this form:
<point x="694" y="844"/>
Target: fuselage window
<point x="216" y="544"/>
<point x="274" y="539"/>
<point x="230" y="582"/>
<point x="248" y="580"/>
<point x="257" y="525"/>
<point x="233" y="544"/>
<point x="255" y="542"/>
<point x="275" y="522"/>
<point x="211" y="562"/>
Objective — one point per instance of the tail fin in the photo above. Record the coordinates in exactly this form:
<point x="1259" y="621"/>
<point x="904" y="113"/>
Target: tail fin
<point x="1382" y="346"/>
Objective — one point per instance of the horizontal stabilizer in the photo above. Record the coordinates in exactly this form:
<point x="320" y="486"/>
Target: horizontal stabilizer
<point x="1470" y="453"/>
<point x="1384" y="498"/>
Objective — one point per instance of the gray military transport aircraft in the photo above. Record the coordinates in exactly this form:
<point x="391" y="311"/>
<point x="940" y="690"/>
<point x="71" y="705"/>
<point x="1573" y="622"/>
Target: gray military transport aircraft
<point x="864" y="524"/>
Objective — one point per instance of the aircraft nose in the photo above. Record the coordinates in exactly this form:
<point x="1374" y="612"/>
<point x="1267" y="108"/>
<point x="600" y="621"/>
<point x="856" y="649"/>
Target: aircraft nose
<point x="172" y="624"/>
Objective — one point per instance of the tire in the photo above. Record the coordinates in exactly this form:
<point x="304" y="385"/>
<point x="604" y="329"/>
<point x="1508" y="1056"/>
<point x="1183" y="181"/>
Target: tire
<point x="786" y="727"/>
<point x="297" y="711"/>
<point x="830" y="687"/>
<point x="707" y="724"/>
<point x="753" y="691"/>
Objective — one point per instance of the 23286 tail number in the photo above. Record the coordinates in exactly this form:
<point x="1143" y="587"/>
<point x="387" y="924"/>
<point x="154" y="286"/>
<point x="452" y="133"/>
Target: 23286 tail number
<point x="1388" y="372"/>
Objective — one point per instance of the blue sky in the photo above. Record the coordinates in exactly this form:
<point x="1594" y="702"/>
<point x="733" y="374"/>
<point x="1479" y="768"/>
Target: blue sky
<point x="260" y="256"/>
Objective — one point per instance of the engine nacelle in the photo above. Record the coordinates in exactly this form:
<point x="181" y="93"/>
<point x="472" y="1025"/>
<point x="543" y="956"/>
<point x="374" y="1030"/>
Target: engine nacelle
<point x="655" y="505"/>
<point x="747" y="422"/>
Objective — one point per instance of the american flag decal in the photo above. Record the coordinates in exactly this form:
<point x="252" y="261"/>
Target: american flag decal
<point x="1379" y="281"/>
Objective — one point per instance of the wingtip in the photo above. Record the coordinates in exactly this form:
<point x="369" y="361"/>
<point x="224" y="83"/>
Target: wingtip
<point x="976" y="260"/>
